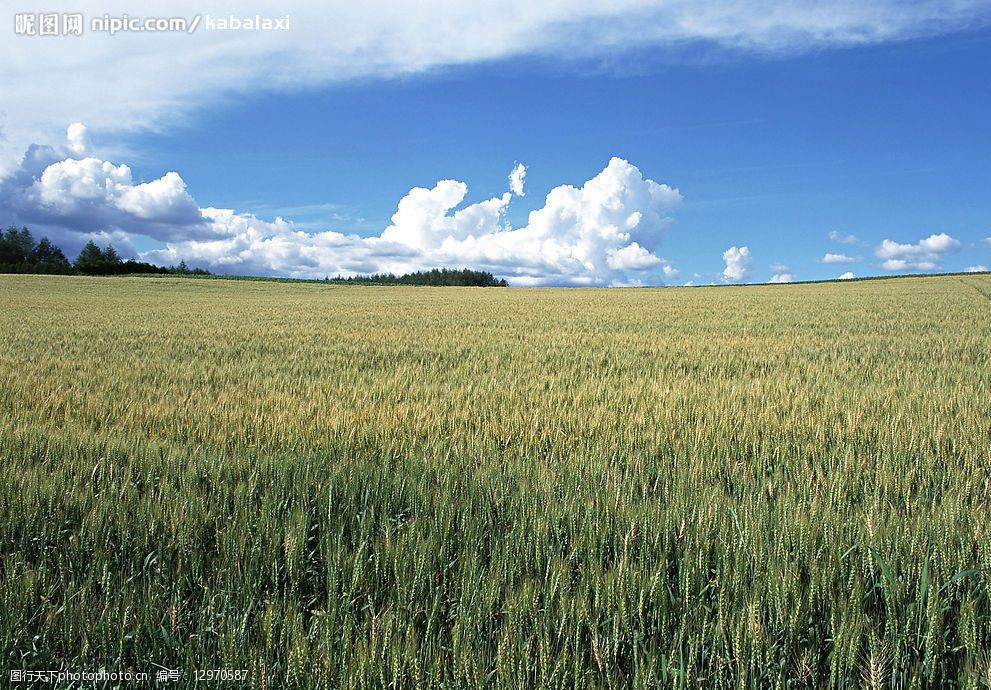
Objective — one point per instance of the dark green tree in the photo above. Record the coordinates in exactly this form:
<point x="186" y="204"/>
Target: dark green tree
<point x="16" y="246"/>
<point x="95" y="261"/>
<point x="49" y="255"/>
<point x="90" y="259"/>
<point x="110" y="255"/>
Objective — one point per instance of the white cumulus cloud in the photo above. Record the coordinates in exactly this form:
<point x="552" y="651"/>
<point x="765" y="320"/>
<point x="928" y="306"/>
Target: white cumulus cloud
<point x="842" y="238"/>
<point x="72" y="193"/>
<point x="782" y="278"/>
<point x="516" y="178"/>
<point x="846" y="276"/>
<point x="831" y="258"/>
<point x="979" y="268"/>
<point x="737" y="260"/>
<point x="924" y="255"/>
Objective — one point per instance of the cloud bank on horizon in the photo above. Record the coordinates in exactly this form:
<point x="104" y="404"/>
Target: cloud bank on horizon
<point x="604" y="232"/>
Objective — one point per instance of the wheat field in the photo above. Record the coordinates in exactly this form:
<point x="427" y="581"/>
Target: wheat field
<point x="384" y="487"/>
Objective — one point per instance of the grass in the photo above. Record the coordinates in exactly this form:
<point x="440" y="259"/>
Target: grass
<point x="355" y="487"/>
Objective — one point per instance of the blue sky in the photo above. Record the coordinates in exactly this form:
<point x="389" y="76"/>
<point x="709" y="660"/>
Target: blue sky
<point x="773" y="148"/>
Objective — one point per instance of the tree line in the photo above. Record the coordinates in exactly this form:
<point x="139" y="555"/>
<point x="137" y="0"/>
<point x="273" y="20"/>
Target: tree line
<point x="436" y="276"/>
<point x="19" y="253"/>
